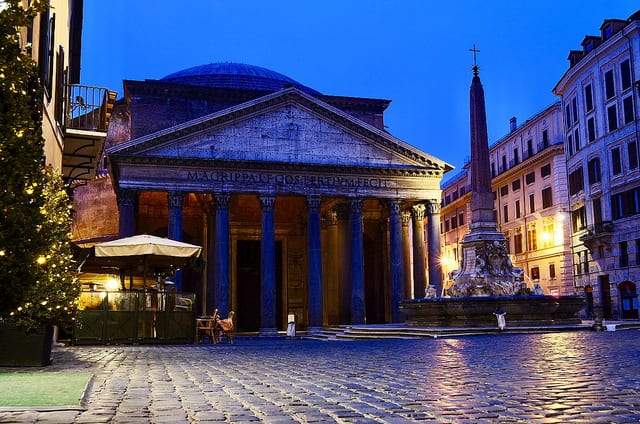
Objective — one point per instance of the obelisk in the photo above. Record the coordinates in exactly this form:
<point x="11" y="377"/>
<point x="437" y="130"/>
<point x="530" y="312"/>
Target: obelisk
<point x="483" y="223"/>
<point x="486" y="268"/>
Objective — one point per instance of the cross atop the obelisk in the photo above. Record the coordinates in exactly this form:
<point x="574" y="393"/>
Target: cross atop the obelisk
<point x="475" y="64"/>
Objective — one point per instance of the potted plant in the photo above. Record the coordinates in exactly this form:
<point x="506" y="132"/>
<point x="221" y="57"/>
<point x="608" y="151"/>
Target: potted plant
<point x="37" y="278"/>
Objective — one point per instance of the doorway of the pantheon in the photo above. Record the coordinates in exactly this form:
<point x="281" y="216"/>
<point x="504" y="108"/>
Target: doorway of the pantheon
<point x="248" y="285"/>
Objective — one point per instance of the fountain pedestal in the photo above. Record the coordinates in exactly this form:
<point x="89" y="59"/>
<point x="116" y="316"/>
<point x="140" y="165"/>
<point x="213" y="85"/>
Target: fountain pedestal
<point x="477" y="311"/>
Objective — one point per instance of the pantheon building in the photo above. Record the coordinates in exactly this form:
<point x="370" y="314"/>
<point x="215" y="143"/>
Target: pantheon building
<point x="304" y="204"/>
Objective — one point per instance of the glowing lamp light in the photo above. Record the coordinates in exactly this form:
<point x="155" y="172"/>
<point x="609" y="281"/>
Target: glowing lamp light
<point x="41" y="260"/>
<point x="112" y="284"/>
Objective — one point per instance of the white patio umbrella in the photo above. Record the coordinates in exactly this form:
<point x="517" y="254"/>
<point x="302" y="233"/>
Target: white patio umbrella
<point x="146" y="250"/>
<point x="145" y="244"/>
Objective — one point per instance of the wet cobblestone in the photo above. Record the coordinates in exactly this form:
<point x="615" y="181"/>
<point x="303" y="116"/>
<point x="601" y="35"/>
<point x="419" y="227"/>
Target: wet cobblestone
<point x="506" y="378"/>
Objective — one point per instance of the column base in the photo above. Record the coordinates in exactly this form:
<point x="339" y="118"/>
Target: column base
<point x="268" y="332"/>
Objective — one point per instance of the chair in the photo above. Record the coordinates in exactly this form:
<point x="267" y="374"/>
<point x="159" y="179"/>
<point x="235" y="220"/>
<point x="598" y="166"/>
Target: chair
<point x="208" y="327"/>
<point x="226" y="327"/>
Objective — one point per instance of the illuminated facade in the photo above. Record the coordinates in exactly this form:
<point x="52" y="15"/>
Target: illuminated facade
<point x="297" y="197"/>
<point x="528" y="178"/>
<point x="75" y="117"/>
<point x="599" y="95"/>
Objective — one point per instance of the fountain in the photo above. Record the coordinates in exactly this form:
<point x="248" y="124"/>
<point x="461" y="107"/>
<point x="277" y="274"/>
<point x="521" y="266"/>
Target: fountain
<point x="487" y="280"/>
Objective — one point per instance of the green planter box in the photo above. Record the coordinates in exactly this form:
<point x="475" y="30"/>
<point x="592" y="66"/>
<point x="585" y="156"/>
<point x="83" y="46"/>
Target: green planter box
<point x="19" y="348"/>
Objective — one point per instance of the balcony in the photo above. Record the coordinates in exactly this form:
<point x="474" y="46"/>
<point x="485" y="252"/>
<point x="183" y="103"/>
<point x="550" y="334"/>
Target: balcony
<point x="596" y="235"/>
<point x="88" y="110"/>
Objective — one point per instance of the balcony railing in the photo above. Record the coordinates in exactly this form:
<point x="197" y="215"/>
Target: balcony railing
<point x="88" y="108"/>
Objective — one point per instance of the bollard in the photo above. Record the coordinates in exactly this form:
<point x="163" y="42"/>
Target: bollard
<point x="499" y="314"/>
<point x="291" y="327"/>
<point x="597" y="319"/>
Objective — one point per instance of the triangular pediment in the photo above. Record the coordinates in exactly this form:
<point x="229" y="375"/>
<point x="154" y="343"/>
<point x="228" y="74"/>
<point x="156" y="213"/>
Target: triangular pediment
<point x="285" y="127"/>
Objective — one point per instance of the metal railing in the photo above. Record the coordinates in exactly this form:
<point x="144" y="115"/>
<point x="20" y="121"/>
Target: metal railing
<point x="88" y="108"/>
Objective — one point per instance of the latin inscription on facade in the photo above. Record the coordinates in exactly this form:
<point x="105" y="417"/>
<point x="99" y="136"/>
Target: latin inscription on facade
<point x="281" y="179"/>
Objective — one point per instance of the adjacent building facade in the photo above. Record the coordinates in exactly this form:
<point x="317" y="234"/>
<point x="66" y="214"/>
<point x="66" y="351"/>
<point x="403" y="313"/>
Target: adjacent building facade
<point x="298" y="198"/>
<point x="599" y="95"/>
<point x="75" y="117"/>
<point x="528" y="178"/>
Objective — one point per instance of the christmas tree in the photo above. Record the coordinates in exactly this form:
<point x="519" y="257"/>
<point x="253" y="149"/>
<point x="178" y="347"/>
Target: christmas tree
<point x="37" y="282"/>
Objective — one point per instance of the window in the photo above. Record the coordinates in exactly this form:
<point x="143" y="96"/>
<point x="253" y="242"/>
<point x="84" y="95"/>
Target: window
<point x="545" y="138"/>
<point x="578" y="262"/>
<point x="461" y="219"/>
<point x="612" y="117"/>
<point x="627" y="109"/>
<point x="552" y="271"/>
<point x="46" y="49"/>
<point x="504" y="163"/>
<point x="455" y="195"/>
<point x="532" y="203"/>
<point x="593" y="170"/>
<point x="518" y="213"/>
<point x="591" y="129"/>
<point x="515" y="185"/>
<point x="535" y="273"/>
<point x="625" y="74"/>
<point x="637" y="251"/>
<point x="59" y="87"/>
<point x="632" y="150"/>
<point x="625" y="204"/>
<point x="576" y="181"/>
<point x="529" y="147"/>
<point x="530" y="178"/>
<point x="576" y="138"/>
<point x="532" y="238"/>
<point x="579" y="219"/>
<point x="588" y="98"/>
<point x="454" y="222"/>
<point x="609" y="86"/>
<point x="446" y="225"/>
<point x="493" y="169"/>
<point x="517" y="241"/>
<point x="447" y="199"/>
<point x="597" y="211"/>
<point x="574" y="105"/>
<point x="567" y="116"/>
<point x="545" y="171"/>
<point x="616" y="162"/>
<point x="547" y="234"/>
<point x="547" y="198"/>
<point x="505" y="213"/>
<point x="624" y="254"/>
<point x="504" y="190"/>
<point x="462" y="191"/>
<point x="516" y="156"/>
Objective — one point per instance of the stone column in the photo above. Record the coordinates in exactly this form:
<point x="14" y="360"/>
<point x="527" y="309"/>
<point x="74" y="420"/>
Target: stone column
<point x="127" y="212"/>
<point x="397" y="263"/>
<point x="419" y="271"/>
<point x="332" y="275"/>
<point x="358" y="313"/>
<point x="314" y="263"/>
<point x="176" y="202"/>
<point x="268" y="268"/>
<point x="406" y="255"/>
<point x="222" y="279"/>
<point x="433" y="240"/>
<point x="344" y="263"/>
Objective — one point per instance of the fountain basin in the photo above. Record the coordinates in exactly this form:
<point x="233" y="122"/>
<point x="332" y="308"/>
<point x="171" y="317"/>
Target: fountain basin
<point x="477" y="311"/>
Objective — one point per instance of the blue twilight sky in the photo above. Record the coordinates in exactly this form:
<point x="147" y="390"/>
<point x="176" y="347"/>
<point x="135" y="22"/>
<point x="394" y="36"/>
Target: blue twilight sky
<point x="413" y="52"/>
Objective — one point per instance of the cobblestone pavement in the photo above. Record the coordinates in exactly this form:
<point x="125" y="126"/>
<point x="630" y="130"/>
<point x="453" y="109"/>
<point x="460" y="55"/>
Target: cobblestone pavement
<point x="576" y="377"/>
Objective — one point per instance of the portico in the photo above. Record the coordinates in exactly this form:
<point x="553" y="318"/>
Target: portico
<point x="299" y="205"/>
